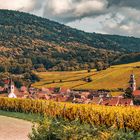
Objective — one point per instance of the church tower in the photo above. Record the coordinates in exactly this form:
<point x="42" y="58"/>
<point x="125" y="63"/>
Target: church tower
<point x="11" y="90"/>
<point x="132" y="82"/>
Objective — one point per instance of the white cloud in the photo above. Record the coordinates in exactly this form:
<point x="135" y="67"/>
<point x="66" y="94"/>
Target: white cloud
<point x="90" y="6"/>
<point x="24" y="5"/>
<point x="58" y="6"/>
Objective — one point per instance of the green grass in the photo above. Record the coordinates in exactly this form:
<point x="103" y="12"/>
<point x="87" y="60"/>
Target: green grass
<point x="113" y="78"/>
<point x="28" y="117"/>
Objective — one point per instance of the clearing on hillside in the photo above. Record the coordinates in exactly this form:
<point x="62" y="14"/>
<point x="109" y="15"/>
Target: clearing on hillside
<point x="112" y="78"/>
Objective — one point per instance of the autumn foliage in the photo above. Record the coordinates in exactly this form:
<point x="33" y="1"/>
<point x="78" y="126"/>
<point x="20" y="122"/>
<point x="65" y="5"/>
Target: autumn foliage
<point x="119" y="117"/>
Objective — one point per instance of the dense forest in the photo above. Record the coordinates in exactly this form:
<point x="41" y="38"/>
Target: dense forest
<point x="28" y="42"/>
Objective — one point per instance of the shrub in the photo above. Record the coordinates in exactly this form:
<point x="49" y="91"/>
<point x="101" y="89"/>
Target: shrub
<point x="60" y="129"/>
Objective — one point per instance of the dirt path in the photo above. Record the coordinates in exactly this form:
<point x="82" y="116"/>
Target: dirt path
<point x="14" y="129"/>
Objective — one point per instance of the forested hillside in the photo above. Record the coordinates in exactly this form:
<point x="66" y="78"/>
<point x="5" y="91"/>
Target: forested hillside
<point x="30" y="42"/>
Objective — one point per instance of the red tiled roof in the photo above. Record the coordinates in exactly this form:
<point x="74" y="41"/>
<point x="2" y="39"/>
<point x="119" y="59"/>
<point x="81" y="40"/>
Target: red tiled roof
<point x="105" y="102"/>
<point x="6" y="81"/>
<point x="110" y="101"/>
<point x="85" y="93"/>
<point x="64" y="90"/>
<point x="113" y="101"/>
<point x="43" y="96"/>
<point x="3" y="95"/>
<point x="96" y="100"/>
<point x="51" y="89"/>
<point x="136" y="93"/>
<point x="23" y="88"/>
<point x="125" y="102"/>
<point x="1" y="89"/>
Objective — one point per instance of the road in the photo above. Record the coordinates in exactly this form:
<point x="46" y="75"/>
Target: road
<point x="14" y="129"/>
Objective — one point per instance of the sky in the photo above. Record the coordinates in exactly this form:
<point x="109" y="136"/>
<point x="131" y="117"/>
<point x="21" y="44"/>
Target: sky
<point x="120" y="17"/>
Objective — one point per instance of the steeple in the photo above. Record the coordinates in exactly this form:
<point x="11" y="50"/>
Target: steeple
<point x="132" y="82"/>
<point x="11" y="89"/>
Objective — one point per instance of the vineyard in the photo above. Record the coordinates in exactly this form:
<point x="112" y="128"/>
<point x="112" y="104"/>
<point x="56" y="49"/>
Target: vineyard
<point x="119" y="117"/>
<point x="112" y="78"/>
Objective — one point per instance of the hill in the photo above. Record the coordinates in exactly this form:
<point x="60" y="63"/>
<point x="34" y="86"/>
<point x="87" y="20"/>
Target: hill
<point x="28" y="41"/>
<point x="113" y="78"/>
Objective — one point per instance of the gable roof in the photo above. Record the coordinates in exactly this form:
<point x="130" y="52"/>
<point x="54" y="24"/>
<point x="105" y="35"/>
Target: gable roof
<point x="113" y="101"/>
<point x="64" y="90"/>
<point x="125" y="102"/>
<point x="136" y="93"/>
<point x="96" y="100"/>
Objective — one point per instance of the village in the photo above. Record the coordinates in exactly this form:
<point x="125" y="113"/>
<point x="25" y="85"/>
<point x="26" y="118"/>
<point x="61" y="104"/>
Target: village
<point x="67" y="95"/>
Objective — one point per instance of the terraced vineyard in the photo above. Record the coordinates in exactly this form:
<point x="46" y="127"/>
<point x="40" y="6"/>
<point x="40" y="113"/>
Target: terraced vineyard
<point x="113" y="78"/>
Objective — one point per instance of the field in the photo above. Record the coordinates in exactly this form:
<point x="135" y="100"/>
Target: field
<point x="113" y="78"/>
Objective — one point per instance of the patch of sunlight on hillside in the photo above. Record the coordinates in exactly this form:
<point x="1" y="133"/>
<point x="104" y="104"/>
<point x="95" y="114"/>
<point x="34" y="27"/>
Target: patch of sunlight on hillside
<point x="113" y="78"/>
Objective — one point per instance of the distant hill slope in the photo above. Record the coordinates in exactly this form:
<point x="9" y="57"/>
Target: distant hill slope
<point x="113" y="78"/>
<point x="28" y="41"/>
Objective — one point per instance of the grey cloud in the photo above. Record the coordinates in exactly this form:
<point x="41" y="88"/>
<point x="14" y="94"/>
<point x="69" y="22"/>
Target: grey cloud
<point x="125" y="3"/>
<point x="69" y="10"/>
<point x="123" y="16"/>
<point x="123" y="21"/>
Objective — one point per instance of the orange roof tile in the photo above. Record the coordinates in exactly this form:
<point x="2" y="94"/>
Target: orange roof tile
<point x="136" y="93"/>
<point x="125" y="102"/>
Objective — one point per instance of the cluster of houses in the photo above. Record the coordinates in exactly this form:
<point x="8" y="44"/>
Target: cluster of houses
<point x="67" y="95"/>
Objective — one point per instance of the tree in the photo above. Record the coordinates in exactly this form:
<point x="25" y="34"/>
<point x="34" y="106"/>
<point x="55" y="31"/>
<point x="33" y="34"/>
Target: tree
<point x="89" y="70"/>
<point x="89" y="79"/>
<point x="99" y="66"/>
<point x="128" y="93"/>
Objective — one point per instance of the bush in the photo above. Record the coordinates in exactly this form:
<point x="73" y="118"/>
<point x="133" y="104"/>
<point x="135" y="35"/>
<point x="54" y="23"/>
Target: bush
<point x="89" y="79"/>
<point x="60" y="129"/>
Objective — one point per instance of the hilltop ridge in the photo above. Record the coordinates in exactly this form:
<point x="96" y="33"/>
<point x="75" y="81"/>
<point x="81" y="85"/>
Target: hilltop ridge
<point x="30" y="42"/>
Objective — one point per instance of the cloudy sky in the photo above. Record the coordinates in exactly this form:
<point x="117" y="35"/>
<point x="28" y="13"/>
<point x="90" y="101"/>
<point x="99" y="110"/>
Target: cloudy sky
<point x="103" y="16"/>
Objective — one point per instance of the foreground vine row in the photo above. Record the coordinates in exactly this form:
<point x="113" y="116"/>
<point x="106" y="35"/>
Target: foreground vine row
<point x="120" y="117"/>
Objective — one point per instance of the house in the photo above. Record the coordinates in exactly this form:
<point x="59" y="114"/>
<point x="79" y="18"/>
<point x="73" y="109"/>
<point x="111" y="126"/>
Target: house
<point x="114" y="101"/>
<point x="101" y="94"/>
<point x="59" y="97"/>
<point x="32" y="90"/>
<point x="2" y="89"/>
<point x="23" y="89"/>
<point x="52" y="90"/>
<point x="85" y="94"/>
<point x="77" y="100"/>
<point x="125" y="102"/>
<point x="136" y="94"/>
<point x="64" y="90"/>
<point x="43" y="96"/>
<point x="86" y="101"/>
<point x="96" y="100"/>
<point x="45" y="90"/>
<point x="105" y="101"/>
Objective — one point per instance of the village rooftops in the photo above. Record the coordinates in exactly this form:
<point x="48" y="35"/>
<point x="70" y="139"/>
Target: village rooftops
<point x="136" y="93"/>
<point x="125" y="102"/>
<point x="96" y="100"/>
